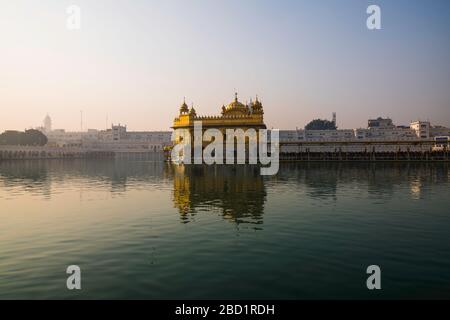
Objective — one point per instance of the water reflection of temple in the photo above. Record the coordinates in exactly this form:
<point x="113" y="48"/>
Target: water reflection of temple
<point x="237" y="193"/>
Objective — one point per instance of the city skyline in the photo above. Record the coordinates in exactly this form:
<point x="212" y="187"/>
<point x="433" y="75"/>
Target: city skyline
<point x="46" y="127"/>
<point x="134" y="62"/>
<point x="47" y="123"/>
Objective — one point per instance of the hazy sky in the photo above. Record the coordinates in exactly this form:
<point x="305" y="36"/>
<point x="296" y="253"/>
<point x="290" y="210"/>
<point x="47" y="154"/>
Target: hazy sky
<point x="134" y="60"/>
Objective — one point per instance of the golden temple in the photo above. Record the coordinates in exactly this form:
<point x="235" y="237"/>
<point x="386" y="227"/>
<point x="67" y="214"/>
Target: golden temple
<point x="236" y="117"/>
<point x="233" y="116"/>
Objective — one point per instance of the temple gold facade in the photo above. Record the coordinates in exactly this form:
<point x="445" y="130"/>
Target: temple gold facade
<point x="235" y="115"/>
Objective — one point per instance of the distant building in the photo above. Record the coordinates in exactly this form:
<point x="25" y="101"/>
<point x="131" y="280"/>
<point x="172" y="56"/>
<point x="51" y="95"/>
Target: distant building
<point x="424" y="130"/>
<point x="381" y="129"/>
<point x="63" y="138"/>
<point x="421" y="128"/>
<point x="115" y="139"/>
<point x="386" y="133"/>
<point x="47" y="124"/>
<point x="316" y="135"/>
<point x="119" y="139"/>
<point x="439" y="131"/>
<point x="119" y="132"/>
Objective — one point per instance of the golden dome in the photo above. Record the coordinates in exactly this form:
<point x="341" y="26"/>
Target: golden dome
<point x="236" y="105"/>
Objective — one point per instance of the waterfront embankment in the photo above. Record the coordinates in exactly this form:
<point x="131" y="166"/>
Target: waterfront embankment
<point x="366" y="156"/>
<point x="47" y="152"/>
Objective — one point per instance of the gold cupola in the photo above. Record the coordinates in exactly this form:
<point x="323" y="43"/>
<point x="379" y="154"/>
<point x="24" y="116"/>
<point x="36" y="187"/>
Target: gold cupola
<point x="234" y="115"/>
<point x="236" y="107"/>
<point x="257" y="106"/>
<point x="184" y="109"/>
<point x="192" y="111"/>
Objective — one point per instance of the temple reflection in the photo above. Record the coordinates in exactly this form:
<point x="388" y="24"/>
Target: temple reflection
<point x="237" y="193"/>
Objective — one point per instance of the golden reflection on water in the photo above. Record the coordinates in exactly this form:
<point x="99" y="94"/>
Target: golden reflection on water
<point x="237" y="192"/>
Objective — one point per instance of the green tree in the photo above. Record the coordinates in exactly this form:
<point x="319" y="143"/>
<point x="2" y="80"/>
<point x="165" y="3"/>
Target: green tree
<point x="319" y="124"/>
<point x="34" y="137"/>
<point x="28" y="138"/>
<point x="10" y="137"/>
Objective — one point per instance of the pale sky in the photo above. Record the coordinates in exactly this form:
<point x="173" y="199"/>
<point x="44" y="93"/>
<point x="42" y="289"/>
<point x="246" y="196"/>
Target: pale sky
<point x="135" y="60"/>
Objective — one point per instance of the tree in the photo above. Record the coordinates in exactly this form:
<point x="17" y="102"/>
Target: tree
<point x="10" y="137"/>
<point x="319" y="124"/>
<point x="34" y="137"/>
<point x="28" y="138"/>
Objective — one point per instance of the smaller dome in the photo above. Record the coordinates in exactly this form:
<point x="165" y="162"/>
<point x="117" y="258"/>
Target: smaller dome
<point x="184" y="107"/>
<point x="257" y="106"/>
<point x="257" y="102"/>
<point x="192" y="112"/>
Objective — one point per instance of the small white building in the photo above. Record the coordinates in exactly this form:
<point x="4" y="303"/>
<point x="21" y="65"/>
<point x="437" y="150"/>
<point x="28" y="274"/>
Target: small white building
<point x="421" y="128"/>
<point x="119" y="139"/>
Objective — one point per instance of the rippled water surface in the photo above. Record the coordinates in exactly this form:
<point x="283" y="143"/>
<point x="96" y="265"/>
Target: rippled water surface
<point x="147" y="229"/>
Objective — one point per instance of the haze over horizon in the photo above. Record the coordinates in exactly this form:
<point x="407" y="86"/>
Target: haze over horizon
<point x="133" y="61"/>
